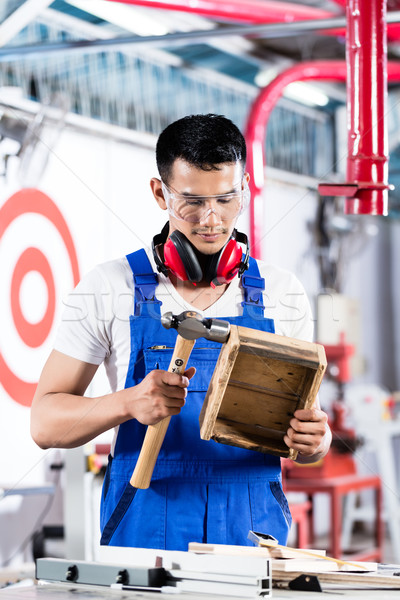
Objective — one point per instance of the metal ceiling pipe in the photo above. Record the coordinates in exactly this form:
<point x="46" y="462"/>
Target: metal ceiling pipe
<point x="269" y="31"/>
<point x="256" y="128"/>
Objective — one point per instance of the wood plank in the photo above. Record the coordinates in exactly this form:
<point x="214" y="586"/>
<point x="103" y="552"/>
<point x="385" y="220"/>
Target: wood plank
<point x="218" y="384"/>
<point x="268" y="552"/>
<point x="245" y="386"/>
<point x="348" y="580"/>
<point x="229" y="550"/>
<point x="244" y="436"/>
<point x="285" y="377"/>
<point x="258" y="409"/>
<point x="273" y="345"/>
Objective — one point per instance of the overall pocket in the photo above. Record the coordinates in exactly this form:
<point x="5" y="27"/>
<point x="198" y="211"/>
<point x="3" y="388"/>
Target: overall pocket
<point x="270" y="509"/>
<point x="204" y="358"/>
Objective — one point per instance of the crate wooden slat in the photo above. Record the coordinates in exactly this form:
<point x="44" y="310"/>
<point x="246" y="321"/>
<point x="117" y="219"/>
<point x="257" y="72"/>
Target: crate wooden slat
<point x="259" y="381"/>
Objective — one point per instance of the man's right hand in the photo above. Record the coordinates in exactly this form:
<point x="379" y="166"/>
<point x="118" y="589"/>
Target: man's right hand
<point x="63" y="417"/>
<point x="161" y="394"/>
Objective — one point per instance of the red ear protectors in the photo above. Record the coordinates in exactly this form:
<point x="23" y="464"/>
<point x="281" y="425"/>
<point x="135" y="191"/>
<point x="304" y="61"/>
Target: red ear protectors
<point x="180" y="258"/>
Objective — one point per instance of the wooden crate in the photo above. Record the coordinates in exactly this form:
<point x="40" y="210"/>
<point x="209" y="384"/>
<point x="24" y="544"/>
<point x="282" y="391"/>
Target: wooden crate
<point x="260" y="379"/>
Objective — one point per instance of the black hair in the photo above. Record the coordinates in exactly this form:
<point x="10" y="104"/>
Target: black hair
<point x="204" y="141"/>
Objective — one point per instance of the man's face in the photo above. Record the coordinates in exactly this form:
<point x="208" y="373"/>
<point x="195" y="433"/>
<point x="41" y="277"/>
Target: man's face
<point x="212" y="232"/>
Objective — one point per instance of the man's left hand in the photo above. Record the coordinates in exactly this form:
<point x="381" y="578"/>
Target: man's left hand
<point x="309" y="434"/>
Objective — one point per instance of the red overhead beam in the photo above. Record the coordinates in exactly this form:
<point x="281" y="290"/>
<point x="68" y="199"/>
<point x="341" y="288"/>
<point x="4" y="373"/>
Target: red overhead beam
<point x="241" y="11"/>
<point x="254" y="11"/>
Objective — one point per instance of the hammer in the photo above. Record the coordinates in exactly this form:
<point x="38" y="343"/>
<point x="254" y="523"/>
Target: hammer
<point x="190" y="326"/>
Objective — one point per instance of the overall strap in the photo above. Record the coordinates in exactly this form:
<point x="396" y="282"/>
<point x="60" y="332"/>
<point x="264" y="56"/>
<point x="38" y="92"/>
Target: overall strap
<point x="253" y="286"/>
<point x="145" y="281"/>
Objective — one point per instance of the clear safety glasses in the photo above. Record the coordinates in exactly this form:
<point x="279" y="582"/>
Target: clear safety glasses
<point x="196" y="209"/>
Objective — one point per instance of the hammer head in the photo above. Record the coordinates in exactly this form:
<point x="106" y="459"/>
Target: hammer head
<point x="191" y="325"/>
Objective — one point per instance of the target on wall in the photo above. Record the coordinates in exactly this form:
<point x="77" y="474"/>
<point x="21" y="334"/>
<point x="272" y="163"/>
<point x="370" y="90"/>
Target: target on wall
<point x="38" y="266"/>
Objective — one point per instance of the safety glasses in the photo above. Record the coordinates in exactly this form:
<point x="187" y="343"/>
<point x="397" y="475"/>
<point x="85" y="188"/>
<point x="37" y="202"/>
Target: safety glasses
<point x="196" y="209"/>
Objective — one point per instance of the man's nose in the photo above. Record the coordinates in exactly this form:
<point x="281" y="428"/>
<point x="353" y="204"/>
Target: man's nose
<point x="211" y="217"/>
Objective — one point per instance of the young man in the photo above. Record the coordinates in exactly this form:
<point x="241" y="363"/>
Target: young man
<point x="200" y="491"/>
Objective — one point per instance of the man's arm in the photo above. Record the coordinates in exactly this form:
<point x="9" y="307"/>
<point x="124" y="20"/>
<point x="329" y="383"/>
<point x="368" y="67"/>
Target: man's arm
<point x="62" y="417"/>
<point x="310" y="434"/>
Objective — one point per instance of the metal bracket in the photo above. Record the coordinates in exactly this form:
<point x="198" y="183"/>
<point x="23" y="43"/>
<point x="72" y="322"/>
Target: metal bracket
<point x="305" y="583"/>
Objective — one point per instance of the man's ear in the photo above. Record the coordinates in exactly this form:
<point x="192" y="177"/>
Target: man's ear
<point x="156" y="188"/>
<point x="247" y="177"/>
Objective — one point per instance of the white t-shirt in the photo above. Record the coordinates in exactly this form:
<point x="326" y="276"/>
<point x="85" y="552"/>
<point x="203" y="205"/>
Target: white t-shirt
<point x="95" y="324"/>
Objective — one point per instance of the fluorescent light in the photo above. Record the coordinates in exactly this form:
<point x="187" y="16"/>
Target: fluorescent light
<point x="302" y="92"/>
<point x="306" y="94"/>
<point x="263" y="78"/>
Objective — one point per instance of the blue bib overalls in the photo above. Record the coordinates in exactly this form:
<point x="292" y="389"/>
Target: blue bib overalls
<point x="201" y="491"/>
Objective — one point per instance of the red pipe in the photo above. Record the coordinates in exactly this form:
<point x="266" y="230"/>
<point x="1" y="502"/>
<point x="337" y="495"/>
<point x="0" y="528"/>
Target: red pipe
<point x="242" y="11"/>
<point x="257" y="124"/>
<point x="366" y="51"/>
<point x="253" y="11"/>
<point x="255" y="132"/>
<point x="391" y="4"/>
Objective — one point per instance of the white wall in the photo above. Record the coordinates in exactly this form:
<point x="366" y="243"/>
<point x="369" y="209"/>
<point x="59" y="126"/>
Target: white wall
<point x="373" y="276"/>
<point x="289" y="209"/>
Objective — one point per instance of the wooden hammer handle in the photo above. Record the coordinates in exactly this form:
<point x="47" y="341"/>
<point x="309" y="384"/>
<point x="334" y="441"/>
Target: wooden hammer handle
<point x="155" y="434"/>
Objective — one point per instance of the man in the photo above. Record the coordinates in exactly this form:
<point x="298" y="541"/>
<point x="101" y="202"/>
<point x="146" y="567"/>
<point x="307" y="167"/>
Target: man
<point x="200" y="491"/>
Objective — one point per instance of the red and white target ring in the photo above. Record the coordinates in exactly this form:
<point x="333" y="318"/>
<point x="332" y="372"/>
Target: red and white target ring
<point x="32" y="259"/>
<point x="32" y="334"/>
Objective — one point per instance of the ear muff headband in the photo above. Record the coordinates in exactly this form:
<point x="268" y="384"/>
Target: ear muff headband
<point x="180" y="258"/>
<point x="159" y="240"/>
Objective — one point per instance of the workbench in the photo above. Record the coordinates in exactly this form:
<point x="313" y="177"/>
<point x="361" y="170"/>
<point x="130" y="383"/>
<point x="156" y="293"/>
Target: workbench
<point x="210" y="570"/>
<point x="59" y="592"/>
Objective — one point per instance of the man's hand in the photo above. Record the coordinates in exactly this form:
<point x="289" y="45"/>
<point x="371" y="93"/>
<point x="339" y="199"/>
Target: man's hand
<point x="309" y="433"/>
<point x="161" y="394"/>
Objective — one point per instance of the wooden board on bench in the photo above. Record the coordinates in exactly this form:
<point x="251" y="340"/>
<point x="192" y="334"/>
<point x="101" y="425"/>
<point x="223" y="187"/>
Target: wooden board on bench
<point x="260" y="379"/>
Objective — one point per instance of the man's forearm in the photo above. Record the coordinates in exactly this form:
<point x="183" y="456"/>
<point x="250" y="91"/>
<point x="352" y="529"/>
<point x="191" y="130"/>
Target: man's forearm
<point x="63" y="420"/>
